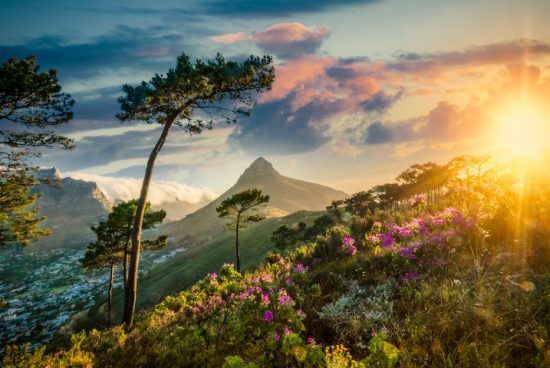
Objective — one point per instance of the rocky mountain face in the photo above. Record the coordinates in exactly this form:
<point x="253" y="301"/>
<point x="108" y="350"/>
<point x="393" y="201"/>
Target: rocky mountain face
<point x="71" y="207"/>
<point x="287" y="195"/>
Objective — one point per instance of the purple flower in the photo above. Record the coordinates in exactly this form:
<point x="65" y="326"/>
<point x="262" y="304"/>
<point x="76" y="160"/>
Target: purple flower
<point x="386" y="240"/>
<point x="351" y="250"/>
<point x="411" y="276"/>
<point x="348" y="241"/>
<point x="268" y="316"/>
<point x="277" y="336"/>
<point x="406" y="253"/>
<point x="212" y="275"/>
<point x="316" y="260"/>
<point x="300" y="268"/>
<point x="289" y="281"/>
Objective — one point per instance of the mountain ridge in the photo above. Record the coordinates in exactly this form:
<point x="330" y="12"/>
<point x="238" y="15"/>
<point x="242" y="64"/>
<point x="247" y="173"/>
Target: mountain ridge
<point x="287" y="195"/>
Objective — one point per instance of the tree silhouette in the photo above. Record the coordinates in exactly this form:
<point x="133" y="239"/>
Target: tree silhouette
<point x="31" y="103"/>
<point x="239" y="210"/>
<point x="227" y="88"/>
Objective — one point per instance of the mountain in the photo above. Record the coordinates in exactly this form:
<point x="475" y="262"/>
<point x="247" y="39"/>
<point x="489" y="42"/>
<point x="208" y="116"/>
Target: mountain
<point x="71" y="206"/>
<point x="287" y="195"/>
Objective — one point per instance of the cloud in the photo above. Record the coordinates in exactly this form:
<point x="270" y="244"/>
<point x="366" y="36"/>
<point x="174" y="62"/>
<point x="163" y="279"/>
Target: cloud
<point x="380" y="102"/>
<point x="160" y="190"/>
<point x="286" y="40"/>
<point x="126" y="50"/>
<point x="275" y="8"/>
<point x="515" y="51"/>
<point x="276" y="127"/>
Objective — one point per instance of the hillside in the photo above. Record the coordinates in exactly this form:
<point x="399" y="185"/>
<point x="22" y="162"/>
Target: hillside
<point x="442" y="282"/>
<point x="287" y="195"/>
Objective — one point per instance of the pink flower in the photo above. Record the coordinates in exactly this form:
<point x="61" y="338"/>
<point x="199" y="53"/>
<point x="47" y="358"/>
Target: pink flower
<point x="266" y="278"/>
<point x="277" y="336"/>
<point x="287" y="331"/>
<point x="348" y="240"/>
<point x="265" y="299"/>
<point x="310" y="340"/>
<point x="268" y="316"/>
<point x="284" y="299"/>
<point x="212" y="275"/>
<point x="351" y="250"/>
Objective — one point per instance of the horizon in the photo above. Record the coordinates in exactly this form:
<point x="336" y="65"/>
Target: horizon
<point x="369" y="95"/>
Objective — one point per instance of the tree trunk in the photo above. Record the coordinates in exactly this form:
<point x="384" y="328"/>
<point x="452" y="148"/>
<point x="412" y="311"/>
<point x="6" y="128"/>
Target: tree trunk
<point x="237" y="255"/>
<point x="125" y="263"/>
<point x="110" y="301"/>
<point x="130" y="296"/>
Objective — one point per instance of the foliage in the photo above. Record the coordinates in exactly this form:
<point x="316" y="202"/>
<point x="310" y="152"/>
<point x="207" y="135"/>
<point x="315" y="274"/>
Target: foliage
<point x="240" y="209"/>
<point x="112" y="240"/>
<point x="31" y="102"/>
<point x="181" y="98"/>
<point x="451" y="283"/>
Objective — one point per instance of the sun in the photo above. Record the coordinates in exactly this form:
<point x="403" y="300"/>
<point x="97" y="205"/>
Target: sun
<point x="524" y="130"/>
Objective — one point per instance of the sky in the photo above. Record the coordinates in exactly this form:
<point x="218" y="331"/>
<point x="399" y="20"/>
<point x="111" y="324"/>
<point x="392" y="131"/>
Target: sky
<point x="363" y="88"/>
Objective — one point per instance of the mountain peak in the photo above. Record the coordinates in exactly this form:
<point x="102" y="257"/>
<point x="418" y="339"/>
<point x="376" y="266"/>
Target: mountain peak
<point x="258" y="168"/>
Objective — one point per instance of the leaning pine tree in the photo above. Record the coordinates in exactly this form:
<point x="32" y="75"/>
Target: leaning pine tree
<point x="218" y="86"/>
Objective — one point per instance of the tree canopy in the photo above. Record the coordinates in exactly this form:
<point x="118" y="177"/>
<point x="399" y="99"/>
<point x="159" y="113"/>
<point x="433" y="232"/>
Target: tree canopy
<point x="240" y="209"/>
<point x="188" y="96"/>
<point x="31" y="104"/>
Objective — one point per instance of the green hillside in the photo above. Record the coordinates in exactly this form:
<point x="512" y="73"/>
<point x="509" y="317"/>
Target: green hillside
<point x="428" y="278"/>
<point x="183" y="270"/>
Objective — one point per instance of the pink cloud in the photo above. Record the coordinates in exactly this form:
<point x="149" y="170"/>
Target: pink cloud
<point x="231" y="38"/>
<point x="286" y="40"/>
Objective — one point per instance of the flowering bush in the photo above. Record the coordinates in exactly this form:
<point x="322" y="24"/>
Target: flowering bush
<point x="408" y="292"/>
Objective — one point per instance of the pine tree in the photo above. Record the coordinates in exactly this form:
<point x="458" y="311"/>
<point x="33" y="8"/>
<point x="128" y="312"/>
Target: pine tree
<point x="227" y="88"/>
<point x="113" y="238"/>
<point x="239" y="209"/>
<point x="31" y="103"/>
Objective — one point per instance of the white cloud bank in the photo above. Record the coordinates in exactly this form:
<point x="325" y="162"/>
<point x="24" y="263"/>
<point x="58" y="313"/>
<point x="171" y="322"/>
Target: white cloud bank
<point x="160" y="191"/>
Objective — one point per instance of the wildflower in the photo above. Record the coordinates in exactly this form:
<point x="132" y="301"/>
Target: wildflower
<point x="348" y="241"/>
<point x="289" y="281"/>
<point x="266" y="278"/>
<point x="265" y="299"/>
<point x="310" y="340"/>
<point x="212" y="275"/>
<point x="300" y="312"/>
<point x="255" y="280"/>
<point x="316" y="260"/>
<point x="351" y="250"/>
<point x="268" y="316"/>
<point x="377" y="225"/>
<point x="300" y="268"/>
<point x="284" y="299"/>
<point x="277" y="336"/>
<point x="287" y="331"/>
<point x="411" y="276"/>
<point x="406" y="253"/>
